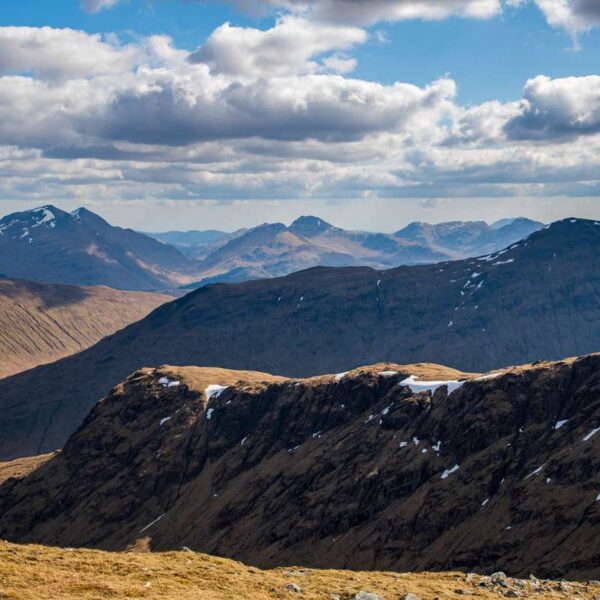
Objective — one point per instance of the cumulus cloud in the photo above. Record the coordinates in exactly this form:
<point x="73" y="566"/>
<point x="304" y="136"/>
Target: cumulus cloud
<point x="285" y="49"/>
<point x="557" y="108"/>
<point x="60" y="53"/>
<point x="328" y="108"/>
<point x="150" y="120"/>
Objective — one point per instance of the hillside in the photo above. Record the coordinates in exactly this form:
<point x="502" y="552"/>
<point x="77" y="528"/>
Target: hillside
<point x="80" y="248"/>
<point x="40" y="323"/>
<point x="33" y="572"/>
<point x="536" y="300"/>
<point x="389" y="467"/>
<point x="274" y="250"/>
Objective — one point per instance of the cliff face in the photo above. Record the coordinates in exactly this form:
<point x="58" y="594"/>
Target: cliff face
<point x="359" y="471"/>
<point x="538" y="299"/>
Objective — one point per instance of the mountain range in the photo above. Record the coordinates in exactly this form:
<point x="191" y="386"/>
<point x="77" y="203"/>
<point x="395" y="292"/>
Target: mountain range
<point x="80" y="248"/>
<point x="42" y="322"/>
<point x="389" y="467"/>
<point x="537" y="299"/>
<point x="273" y="249"/>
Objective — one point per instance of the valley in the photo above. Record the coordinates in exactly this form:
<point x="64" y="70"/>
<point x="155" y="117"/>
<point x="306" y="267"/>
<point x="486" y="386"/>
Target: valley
<point x="41" y="323"/>
<point x="536" y="299"/>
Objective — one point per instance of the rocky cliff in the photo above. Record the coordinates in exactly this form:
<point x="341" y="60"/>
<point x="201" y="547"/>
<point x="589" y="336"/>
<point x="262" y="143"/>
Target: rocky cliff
<point x="379" y="468"/>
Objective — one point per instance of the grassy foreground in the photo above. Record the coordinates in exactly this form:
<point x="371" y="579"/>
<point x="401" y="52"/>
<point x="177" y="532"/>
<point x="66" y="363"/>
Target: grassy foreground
<point x="38" y="572"/>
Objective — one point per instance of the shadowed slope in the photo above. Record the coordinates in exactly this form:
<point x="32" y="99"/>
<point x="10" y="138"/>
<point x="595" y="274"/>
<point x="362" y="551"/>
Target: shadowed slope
<point x="374" y="469"/>
<point x="40" y="323"/>
<point x="538" y="299"/>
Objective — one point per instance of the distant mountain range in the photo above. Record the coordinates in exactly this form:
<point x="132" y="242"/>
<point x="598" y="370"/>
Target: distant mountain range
<point x="80" y="248"/>
<point x="273" y="250"/>
<point x="42" y="322"/>
<point x="48" y="244"/>
<point x="536" y="299"/>
<point x="388" y="467"/>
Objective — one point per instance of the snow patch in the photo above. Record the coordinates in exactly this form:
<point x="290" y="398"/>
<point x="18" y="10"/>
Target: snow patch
<point x="559" y="424"/>
<point x="153" y="523"/>
<point x="387" y="373"/>
<point x="538" y="470"/>
<point x="591" y="434"/>
<point x="449" y="472"/>
<point x="488" y="377"/>
<point x="431" y="386"/>
<point x="341" y="376"/>
<point x="209" y="413"/>
<point x="214" y="391"/>
<point x="163" y="421"/>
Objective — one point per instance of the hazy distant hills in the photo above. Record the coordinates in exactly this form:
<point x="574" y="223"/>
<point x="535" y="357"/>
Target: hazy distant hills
<point x="273" y="250"/>
<point x="81" y="248"/>
<point x="42" y="322"/>
<point x="537" y="299"/>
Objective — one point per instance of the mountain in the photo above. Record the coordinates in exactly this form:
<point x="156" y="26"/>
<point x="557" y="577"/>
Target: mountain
<point x="537" y="299"/>
<point x="41" y="322"/>
<point x="389" y="467"/>
<point x="81" y="248"/>
<point x="461" y="239"/>
<point x="274" y="250"/>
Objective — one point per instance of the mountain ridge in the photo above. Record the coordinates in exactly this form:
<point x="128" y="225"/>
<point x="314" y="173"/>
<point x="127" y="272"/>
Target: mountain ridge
<point x="379" y="468"/>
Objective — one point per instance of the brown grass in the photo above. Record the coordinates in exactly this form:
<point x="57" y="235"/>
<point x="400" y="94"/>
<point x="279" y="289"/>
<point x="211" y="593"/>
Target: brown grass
<point x="40" y="323"/>
<point x="22" y="466"/>
<point x="38" y="572"/>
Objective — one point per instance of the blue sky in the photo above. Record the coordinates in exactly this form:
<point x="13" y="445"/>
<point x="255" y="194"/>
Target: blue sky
<point x="301" y="110"/>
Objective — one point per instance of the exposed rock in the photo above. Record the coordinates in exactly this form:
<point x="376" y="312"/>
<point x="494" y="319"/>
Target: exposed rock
<point x="218" y="477"/>
<point x="293" y="587"/>
<point x="366" y="596"/>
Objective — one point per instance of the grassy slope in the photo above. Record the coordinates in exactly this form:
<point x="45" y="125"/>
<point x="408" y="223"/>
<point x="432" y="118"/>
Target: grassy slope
<point x="33" y="572"/>
<point x="40" y="323"/>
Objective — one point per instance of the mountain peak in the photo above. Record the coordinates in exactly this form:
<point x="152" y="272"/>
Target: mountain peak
<point x="309" y="225"/>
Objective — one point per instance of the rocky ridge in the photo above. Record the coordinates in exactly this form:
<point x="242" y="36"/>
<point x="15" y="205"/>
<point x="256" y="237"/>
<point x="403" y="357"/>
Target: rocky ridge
<point x="379" y="468"/>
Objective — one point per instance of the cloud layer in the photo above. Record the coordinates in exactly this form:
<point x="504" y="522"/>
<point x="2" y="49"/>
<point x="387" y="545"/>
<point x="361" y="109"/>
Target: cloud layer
<point x="272" y="114"/>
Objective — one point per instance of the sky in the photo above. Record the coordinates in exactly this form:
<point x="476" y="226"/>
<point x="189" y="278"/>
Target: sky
<point x="182" y="114"/>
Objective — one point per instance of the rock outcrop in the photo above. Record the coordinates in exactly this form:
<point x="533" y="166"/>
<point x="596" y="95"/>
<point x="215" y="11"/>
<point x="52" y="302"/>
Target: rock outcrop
<point x="378" y="468"/>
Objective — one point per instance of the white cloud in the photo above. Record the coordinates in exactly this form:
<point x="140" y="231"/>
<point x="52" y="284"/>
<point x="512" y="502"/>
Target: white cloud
<point x="95" y="6"/>
<point x="60" y="53"/>
<point x="363" y="12"/>
<point x="147" y="122"/>
<point x="286" y="49"/>
<point x="558" y="108"/>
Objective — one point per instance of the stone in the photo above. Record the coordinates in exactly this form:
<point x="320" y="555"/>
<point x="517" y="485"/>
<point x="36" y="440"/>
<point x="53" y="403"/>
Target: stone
<point x="366" y="596"/>
<point x="293" y="587"/>
<point x="499" y="578"/>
